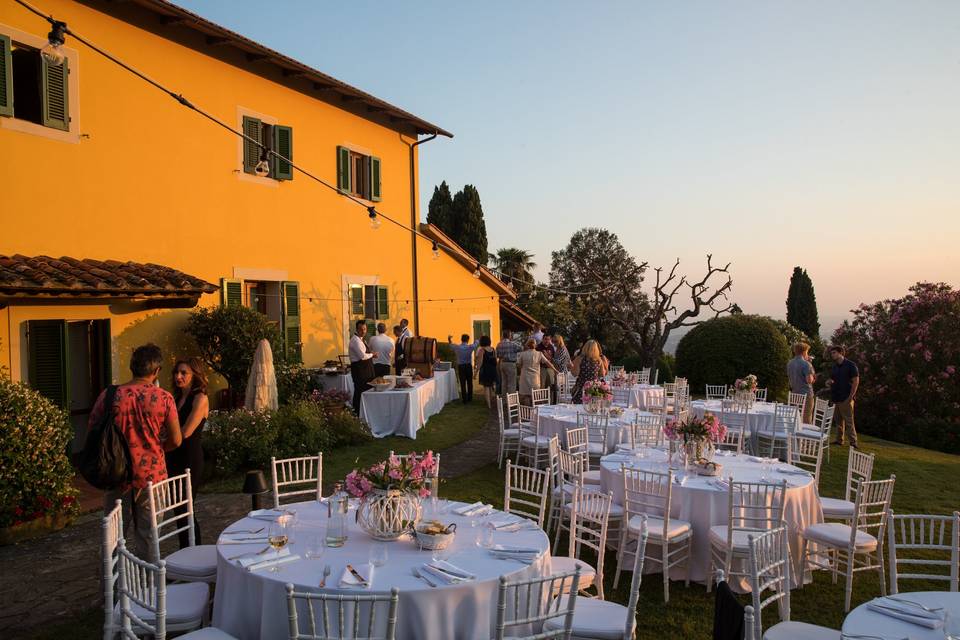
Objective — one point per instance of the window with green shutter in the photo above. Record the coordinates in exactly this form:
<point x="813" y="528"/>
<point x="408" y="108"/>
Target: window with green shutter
<point x="282" y="145"/>
<point x="231" y="292"/>
<point x="356" y="300"/>
<point x="48" y="366"/>
<point x="252" y="128"/>
<point x="56" y="98"/>
<point x="343" y="168"/>
<point x="374" y="179"/>
<point x="359" y="174"/>
<point x="291" y="321"/>
<point x="383" y="304"/>
<point x="6" y="77"/>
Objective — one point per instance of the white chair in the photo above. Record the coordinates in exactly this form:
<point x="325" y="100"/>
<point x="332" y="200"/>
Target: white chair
<point x="536" y="446"/>
<point x="822" y="422"/>
<point x="112" y="534"/>
<point x="596" y="619"/>
<point x="194" y="563"/>
<point x="525" y="492"/>
<point x="716" y="391"/>
<point x="513" y="408"/>
<point x="615" y="369"/>
<point x="434" y="480"/>
<point x="589" y="519"/>
<point x="566" y="479"/>
<point x="760" y="394"/>
<point x="565" y="388"/>
<point x="775" y="438"/>
<point x="148" y="606"/>
<point x="646" y="430"/>
<point x="540" y="397"/>
<point x="509" y="435"/>
<point x="621" y="395"/>
<point x="913" y="542"/>
<point x="807" y="453"/>
<point x="577" y="444"/>
<point x="303" y="474"/>
<point x="598" y="441"/>
<point x="648" y="497"/>
<point x="529" y="609"/>
<point x="752" y="508"/>
<point x="643" y="376"/>
<point x="770" y="570"/>
<point x="798" y="400"/>
<point x="734" y="415"/>
<point x="353" y="616"/>
<point x="856" y="547"/>
<point x="859" y="470"/>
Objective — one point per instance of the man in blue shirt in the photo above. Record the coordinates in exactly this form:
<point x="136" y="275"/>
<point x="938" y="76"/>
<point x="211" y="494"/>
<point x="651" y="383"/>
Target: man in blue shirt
<point x="507" y="352"/>
<point x="844" y="381"/>
<point x="464" y="352"/>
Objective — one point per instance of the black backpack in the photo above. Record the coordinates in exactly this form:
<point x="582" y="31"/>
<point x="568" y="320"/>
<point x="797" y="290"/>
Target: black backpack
<point x="105" y="461"/>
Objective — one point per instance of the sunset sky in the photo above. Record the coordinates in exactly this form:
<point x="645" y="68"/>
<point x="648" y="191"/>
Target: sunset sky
<point x="770" y="134"/>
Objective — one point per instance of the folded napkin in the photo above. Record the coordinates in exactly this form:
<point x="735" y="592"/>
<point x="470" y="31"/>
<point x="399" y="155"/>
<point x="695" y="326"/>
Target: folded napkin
<point x="793" y="471"/>
<point x="475" y="509"/>
<point x="447" y="572"/>
<point x="512" y="550"/>
<point x="254" y="562"/>
<point x="721" y="484"/>
<point x="349" y="581"/>
<point x="907" y="612"/>
<point x="680" y="480"/>
<point x="617" y="457"/>
<point x="241" y="538"/>
<point x="270" y="515"/>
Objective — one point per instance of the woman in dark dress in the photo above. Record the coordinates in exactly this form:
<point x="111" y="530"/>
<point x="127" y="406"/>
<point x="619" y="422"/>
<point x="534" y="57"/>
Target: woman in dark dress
<point x="589" y="365"/>
<point x="190" y="394"/>
<point x="486" y="361"/>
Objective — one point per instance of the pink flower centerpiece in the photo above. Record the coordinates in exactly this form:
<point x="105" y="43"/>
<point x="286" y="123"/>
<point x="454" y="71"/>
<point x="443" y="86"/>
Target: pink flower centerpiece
<point x="390" y="493"/>
<point x="748" y="383"/>
<point x="699" y="436"/>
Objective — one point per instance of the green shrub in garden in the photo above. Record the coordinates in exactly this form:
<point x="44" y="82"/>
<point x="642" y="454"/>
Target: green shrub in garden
<point x="293" y="382"/>
<point x="721" y="350"/>
<point x="36" y="478"/>
<point x="239" y="440"/>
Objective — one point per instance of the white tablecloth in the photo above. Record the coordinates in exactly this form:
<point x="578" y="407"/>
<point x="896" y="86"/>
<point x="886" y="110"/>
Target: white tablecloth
<point x="704" y="505"/>
<point x="646" y="396"/>
<point x="250" y="605"/>
<point x="338" y="382"/>
<point x="759" y="418"/>
<point x="865" y="622"/>
<point x="555" y="419"/>
<point x="403" y="411"/>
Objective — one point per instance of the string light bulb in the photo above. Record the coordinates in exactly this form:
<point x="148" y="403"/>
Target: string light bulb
<point x="53" y="52"/>
<point x="374" y="220"/>
<point x="263" y="168"/>
<point x="436" y="251"/>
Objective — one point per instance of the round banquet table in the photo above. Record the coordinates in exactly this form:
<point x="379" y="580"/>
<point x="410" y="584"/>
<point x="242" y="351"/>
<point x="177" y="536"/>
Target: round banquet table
<point x="253" y="604"/>
<point x="646" y="396"/>
<point x="701" y="503"/>
<point x="759" y="418"/>
<point x="864" y="621"/>
<point x="555" y="419"/>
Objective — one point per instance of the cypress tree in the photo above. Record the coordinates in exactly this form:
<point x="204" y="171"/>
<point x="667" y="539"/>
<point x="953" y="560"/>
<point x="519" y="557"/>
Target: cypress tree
<point x="440" y="209"/>
<point x="802" y="304"/>
<point x="470" y="230"/>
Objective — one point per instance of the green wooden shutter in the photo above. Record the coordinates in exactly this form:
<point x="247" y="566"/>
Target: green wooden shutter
<point x="231" y="292"/>
<point x="104" y="352"/>
<point x="283" y="145"/>
<point x="356" y="300"/>
<point x="383" y="304"/>
<point x="291" y="321"/>
<point x="56" y="96"/>
<point x="370" y="301"/>
<point x="374" y="179"/>
<point x="6" y="77"/>
<point x="48" y="366"/>
<point x="252" y="128"/>
<point x="343" y="168"/>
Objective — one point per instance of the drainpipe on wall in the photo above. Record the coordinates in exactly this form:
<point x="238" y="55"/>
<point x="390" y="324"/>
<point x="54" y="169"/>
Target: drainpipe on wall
<point x="414" y="226"/>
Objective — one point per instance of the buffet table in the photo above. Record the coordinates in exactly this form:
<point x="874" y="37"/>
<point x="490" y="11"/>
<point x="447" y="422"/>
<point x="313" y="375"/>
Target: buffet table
<point x="251" y="604"/>
<point x="403" y="412"/>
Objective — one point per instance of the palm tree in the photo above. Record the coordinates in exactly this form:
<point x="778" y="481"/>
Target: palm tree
<point x="516" y="267"/>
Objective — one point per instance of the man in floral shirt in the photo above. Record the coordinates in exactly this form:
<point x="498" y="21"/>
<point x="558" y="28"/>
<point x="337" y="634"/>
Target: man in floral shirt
<point x="147" y="417"/>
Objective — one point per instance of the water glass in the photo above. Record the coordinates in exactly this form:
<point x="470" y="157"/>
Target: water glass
<point x="315" y="541"/>
<point x="765" y="470"/>
<point x="439" y="554"/>
<point x="485" y="537"/>
<point x="951" y="624"/>
<point x="379" y="553"/>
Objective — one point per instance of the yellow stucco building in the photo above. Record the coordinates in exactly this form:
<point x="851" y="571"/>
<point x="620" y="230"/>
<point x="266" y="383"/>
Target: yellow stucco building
<point x="169" y="210"/>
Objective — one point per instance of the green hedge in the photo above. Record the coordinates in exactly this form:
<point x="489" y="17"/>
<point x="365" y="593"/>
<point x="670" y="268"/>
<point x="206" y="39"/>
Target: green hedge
<point x="721" y="350"/>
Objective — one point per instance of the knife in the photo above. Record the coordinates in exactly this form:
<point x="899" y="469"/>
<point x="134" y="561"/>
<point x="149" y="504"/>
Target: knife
<point x="356" y="575"/>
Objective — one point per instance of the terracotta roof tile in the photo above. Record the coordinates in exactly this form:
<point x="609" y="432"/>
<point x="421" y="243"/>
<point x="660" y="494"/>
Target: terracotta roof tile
<point x="42" y="275"/>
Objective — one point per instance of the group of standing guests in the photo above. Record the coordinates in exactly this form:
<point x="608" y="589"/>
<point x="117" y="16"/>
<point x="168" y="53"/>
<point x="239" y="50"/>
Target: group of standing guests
<point x="374" y="360"/>
<point x="841" y="387"/>
<point x="162" y="432"/>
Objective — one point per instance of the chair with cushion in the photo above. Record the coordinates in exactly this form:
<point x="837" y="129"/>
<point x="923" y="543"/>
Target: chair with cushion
<point x="752" y="509"/>
<point x="524" y="603"/>
<point x="525" y="492"/>
<point x="643" y="376"/>
<point x="760" y="395"/>
<point x="509" y="435"/>
<point x="807" y="454"/>
<point x="857" y="546"/>
<point x="112" y="533"/>
<point x="621" y="395"/>
<point x="334" y="616"/>
<point x="565" y="383"/>
<point x="773" y="440"/>
<point x="513" y="408"/>
<point x="589" y="519"/>
<point x="540" y="397"/>
<point x="646" y="431"/>
<point x="770" y="571"/>
<point x="577" y="444"/>
<point x="596" y="619"/>
<point x="535" y="447"/>
<point x="648" y="497"/>
<point x="931" y="543"/>
<point x="716" y="391"/>
<point x="798" y="400"/>
<point x="598" y="440"/>
<point x="295" y="477"/>
<point x="734" y="415"/>
<point x="171" y="505"/>
<point x="823" y="413"/>
<point x="859" y="470"/>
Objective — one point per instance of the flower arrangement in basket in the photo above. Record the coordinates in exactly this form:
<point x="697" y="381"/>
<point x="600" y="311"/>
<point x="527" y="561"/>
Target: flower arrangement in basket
<point x="699" y="436"/>
<point x="748" y="383"/>
<point x="620" y="378"/>
<point x="597" y="395"/>
<point x="390" y="493"/>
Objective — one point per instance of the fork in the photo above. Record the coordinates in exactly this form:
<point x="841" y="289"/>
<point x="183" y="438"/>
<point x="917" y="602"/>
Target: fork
<point x="245" y="530"/>
<point x="916" y="604"/>
<point x="326" y="572"/>
<point x="416" y="572"/>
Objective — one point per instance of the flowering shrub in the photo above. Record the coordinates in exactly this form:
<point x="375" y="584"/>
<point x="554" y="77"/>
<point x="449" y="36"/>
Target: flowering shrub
<point x="597" y="389"/>
<point x="696" y="429"/>
<point x="35" y="473"/>
<point x="332" y="398"/>
<point x="409" y="475"/>
<point x="908" y="353"/>
<point x="749" y="383"/>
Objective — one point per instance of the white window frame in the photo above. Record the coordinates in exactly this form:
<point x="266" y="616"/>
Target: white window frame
<point x="242" y="175"/>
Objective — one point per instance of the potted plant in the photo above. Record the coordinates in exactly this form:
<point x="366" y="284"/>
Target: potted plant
<point x="745" y="390"/>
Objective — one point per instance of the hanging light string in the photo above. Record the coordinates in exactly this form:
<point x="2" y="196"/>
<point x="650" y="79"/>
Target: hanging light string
<point x="53" y="50"/>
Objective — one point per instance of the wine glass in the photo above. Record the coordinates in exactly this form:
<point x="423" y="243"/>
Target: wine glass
<point x="278" y="536"/>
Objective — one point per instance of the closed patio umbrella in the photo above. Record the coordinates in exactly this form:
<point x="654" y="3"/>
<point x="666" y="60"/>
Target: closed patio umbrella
<point x="262" y="383"/>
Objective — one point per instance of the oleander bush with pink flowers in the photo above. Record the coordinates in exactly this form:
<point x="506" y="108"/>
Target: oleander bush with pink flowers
<point x="908" y="352"/>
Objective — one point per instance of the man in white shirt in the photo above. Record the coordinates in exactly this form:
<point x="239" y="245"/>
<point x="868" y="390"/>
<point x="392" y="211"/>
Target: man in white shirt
<point x="538" y="334"/>
<point x="361" y="364"/>
<point x="382" y="345"/>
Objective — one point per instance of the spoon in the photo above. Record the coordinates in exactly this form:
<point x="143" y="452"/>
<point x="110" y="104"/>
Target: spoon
<point x="326" y="572"/>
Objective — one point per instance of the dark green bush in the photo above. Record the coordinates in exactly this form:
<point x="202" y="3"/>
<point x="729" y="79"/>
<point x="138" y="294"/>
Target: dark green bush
<point x="666" y="367"/>
<point x="445" y="352"/>
<point x="723" y="349"/>
<point x="294" y="382"/>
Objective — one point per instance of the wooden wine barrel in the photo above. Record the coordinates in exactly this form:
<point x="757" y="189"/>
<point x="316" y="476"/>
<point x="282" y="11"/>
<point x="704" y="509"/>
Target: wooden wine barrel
<point x="421" y="350"/>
